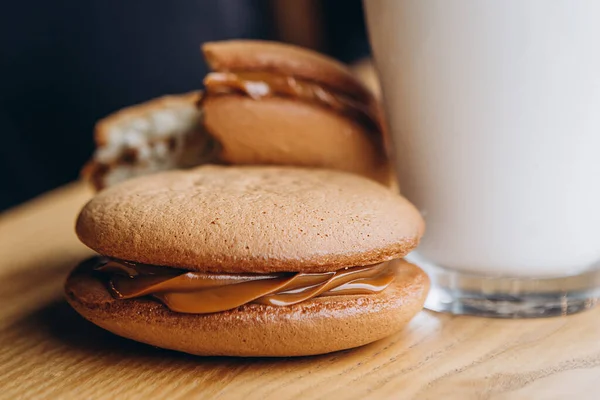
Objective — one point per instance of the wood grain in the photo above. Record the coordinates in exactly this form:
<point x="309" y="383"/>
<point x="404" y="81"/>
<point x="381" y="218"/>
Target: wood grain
<point x="48" y="351"/>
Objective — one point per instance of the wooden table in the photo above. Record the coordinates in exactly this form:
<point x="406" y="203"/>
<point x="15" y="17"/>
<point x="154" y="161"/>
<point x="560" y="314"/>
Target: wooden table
<point x="48" y="351"/>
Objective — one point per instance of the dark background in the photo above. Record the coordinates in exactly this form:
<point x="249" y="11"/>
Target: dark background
<point x="65" y="64"/>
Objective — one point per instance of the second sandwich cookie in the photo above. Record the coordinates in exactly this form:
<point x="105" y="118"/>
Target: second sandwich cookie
<point x="249" y="261"/>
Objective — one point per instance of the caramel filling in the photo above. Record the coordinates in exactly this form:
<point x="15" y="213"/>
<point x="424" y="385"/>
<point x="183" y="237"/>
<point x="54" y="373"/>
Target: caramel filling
<point x="258" y="85"/>
<point x="202" y="293"/>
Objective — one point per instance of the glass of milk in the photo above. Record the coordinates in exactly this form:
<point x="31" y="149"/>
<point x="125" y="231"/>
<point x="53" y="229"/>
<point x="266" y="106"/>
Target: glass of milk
<point x="494" y="110"/>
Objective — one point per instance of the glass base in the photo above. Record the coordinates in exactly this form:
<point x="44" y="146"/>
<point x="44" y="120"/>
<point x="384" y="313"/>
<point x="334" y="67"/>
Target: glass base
<point x="466" y="293"/>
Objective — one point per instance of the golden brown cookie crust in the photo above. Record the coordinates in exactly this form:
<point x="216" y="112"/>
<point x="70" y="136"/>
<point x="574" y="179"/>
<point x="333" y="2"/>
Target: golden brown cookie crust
<point x="317" y="326"/>
<point x="251" y="219"/>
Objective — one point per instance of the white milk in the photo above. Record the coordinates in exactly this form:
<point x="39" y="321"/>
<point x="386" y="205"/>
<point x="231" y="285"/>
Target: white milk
<point x="494" y="106"/>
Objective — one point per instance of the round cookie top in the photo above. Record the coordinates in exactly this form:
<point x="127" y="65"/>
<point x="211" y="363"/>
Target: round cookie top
<point x="251" y="219"/>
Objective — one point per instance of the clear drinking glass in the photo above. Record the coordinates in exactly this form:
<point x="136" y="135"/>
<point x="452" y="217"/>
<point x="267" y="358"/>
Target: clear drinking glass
<point x="494" y="110"/>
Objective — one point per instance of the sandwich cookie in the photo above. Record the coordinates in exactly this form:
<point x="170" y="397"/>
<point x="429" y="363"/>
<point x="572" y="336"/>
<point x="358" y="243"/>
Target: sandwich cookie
<point x="273" y="103"/>
<point x="249" y="261"/>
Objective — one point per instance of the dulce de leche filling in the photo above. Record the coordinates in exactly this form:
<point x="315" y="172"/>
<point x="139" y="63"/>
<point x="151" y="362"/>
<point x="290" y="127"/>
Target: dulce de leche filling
<point x="202" y="293"/>
<point x="258" y="85"/>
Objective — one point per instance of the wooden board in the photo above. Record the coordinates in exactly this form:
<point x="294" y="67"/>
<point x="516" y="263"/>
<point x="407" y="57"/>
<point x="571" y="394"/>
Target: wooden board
<point x="48" y="351"/>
